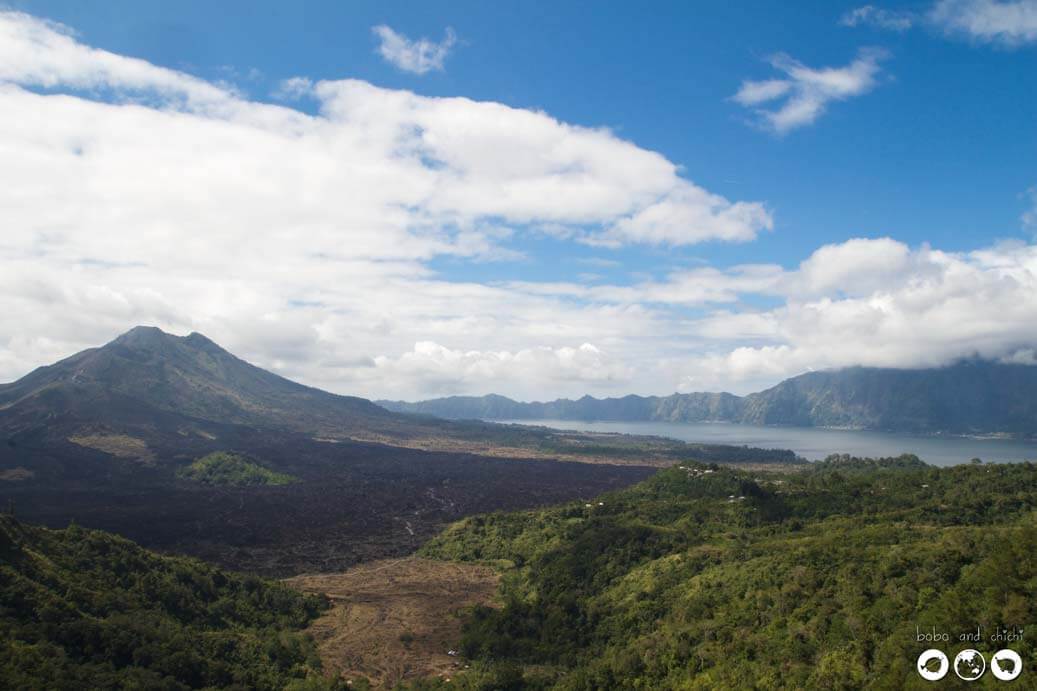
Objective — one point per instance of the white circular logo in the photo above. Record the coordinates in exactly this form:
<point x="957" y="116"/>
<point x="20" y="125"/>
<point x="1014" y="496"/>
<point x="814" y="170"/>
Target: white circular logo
<point x="933" y="664"/>
<point x="969" y="664"/>
<point x="1006" y="665"/>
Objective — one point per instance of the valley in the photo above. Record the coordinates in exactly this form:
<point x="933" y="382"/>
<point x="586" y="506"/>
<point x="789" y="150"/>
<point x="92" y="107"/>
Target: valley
<point x="353" y="502"/>
<point x="454" y="554"/>
<point x="518" y="346"/>
<point x="108" y="437"/>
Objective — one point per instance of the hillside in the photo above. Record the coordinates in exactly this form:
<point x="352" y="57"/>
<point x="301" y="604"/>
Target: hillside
<point x="86" y="609"/>
<point x="705" y="577"/>
<point x="148" y="388"/>
<point x="180" y="445"/>
<point x="970" y="397"/>
<point x="147" y="378"/>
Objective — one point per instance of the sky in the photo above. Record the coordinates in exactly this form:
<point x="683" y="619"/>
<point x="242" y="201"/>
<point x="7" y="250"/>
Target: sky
<point x="410" y="200"/>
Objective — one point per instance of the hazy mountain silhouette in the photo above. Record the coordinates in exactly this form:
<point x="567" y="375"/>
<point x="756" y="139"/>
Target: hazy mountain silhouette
<point x="970" y="397"/>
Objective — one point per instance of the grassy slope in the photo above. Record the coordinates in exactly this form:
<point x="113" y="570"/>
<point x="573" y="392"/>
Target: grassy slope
<point x="86" y="609"/>
<point x="813" y="580"/>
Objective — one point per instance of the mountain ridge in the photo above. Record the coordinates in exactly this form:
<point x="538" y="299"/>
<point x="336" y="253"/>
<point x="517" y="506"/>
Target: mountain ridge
<point x="146" y="372"/>
<point x="106" y="437"/>
<point x="160" y="389"/>
<point x="971" y="397"/>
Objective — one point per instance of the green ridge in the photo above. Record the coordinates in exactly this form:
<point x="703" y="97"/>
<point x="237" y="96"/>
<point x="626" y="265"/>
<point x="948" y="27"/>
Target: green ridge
<point x="84" y="609"/>
<point x="723" y="579"/>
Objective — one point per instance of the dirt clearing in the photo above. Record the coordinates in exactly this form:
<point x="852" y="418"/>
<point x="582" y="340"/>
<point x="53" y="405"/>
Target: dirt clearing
<point x="396" y="619"/>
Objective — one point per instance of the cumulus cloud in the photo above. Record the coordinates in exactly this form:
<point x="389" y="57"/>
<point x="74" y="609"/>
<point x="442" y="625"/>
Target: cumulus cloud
<point x="417" y="57"/>
<point x="908" y="308"/>
<point x="1005" y="22"/>
<point x="869" y="15"/>
<point x="865" y="301"/>
<point x="293" y="89"/>
<point x="803" y="95"/>
<point x="137" y="194"/>
<point x="46" y="54"/>
<point x="309" y="244"/>
<point x="526" y="372"/>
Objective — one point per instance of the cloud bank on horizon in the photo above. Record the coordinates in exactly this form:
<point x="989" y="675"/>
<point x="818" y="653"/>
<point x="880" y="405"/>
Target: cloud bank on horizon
<point x="306" y="242"/>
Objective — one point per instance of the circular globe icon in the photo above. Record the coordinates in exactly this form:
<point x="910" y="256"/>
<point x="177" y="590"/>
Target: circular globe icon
<point x="969" y="664"/>
<point x="1006" y="665"/>
<point x="933" y="664"/>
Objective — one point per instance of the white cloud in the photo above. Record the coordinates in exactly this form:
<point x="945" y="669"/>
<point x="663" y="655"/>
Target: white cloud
<point x="871" y="302"/>
<point x="293" y="89"/>
<point x="908" y="308"/>
<point x="688" y="214"/>
<point x="891" y="20"/>
<point x="136" y="194"/>
<point x="420" y="56"/>
<point x="33" y="51"/>
<point x="527" y="372"/>
<point x="855" y="267"/>
<point x="1010" y="23"/>
<point x="800" y="98"/>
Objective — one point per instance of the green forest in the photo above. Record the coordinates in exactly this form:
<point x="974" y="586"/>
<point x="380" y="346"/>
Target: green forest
<point x="224" y="468"/>
<point x="701" y="577"/>
<point x="85" y="609"/>
<point x="705" y="577"/>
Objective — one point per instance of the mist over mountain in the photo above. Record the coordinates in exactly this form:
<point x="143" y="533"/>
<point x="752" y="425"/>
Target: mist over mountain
<point x="969" y="397"/>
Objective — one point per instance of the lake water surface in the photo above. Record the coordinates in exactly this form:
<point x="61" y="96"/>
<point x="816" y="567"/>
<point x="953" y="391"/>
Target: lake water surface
<point x="814" y="444"/>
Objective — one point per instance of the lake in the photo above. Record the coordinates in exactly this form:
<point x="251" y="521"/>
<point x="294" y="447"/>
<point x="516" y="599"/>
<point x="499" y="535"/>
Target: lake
<point x="813" y="443"/>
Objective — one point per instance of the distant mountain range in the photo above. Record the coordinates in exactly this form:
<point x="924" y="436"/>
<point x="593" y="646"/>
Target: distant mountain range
<point x="971" y="397"/>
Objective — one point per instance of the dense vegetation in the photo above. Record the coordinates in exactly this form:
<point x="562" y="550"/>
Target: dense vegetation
<point x="223" y="468"/>
<point x="83" y="609"/>
<point x="706" y="577"/>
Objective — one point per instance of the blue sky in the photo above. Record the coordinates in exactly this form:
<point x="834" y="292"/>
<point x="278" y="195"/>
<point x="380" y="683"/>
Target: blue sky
<point x="935" y="146"/>
<point x="941" y="151"/>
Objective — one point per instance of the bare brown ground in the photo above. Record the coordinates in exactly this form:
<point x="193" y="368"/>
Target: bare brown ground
<point x="16" y="474"/>
<point x="119" y="445"/>
<point x="650" y="454"/>
<point x="450" y="445"/>
<point x="396" y="619"/>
